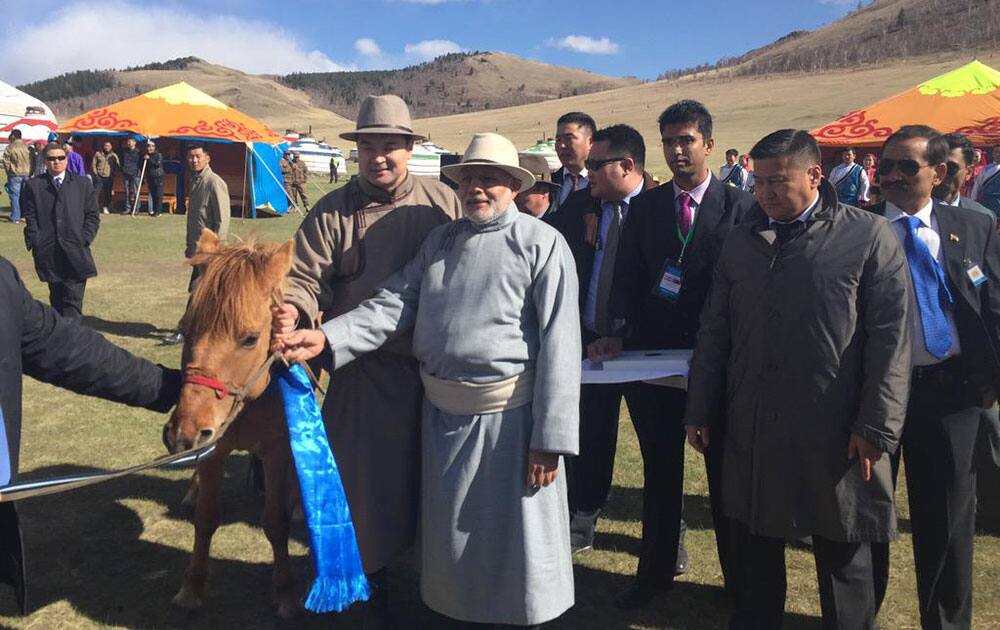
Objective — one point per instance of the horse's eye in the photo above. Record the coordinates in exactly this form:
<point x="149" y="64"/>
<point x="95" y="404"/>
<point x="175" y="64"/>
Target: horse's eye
<point x="250" y="341"/>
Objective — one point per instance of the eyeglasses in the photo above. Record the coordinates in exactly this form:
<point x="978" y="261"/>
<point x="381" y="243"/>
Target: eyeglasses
<point x="907" y="167"/>
<point x="596" y="165"/>
<point x="55" y="158"/>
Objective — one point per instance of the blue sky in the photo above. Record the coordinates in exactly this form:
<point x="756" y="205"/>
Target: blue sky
<point x="614" y="37"/>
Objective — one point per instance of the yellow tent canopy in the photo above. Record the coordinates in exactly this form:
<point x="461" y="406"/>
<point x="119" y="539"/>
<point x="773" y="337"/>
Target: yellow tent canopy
<point x="965" y="100"/>
<point x="176" y="111"/>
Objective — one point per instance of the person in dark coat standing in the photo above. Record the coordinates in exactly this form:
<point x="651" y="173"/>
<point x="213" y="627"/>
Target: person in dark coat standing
<point x="804" y="352"/>
<point x="37" y="342"/>
<point x="62" y="217"/>
<point x="953" y="260"/>
<point x="131" y="163"/>
<point x="679" y="225"/>
<point x="154" y="178"/>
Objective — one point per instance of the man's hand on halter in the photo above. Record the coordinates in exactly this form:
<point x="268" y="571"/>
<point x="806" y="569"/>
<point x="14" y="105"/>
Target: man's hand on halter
<point x="284" y="318"/>
<point x="301" y="345"/>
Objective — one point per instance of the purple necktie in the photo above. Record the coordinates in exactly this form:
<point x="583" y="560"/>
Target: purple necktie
<point x="684" y="214"/>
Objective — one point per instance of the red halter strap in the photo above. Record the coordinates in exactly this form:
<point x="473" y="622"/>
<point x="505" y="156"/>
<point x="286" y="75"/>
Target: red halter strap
<point x="221" y="391"/>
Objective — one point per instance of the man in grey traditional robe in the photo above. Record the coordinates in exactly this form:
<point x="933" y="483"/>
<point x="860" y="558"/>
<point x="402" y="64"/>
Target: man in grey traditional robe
<point x="492" y="301"/>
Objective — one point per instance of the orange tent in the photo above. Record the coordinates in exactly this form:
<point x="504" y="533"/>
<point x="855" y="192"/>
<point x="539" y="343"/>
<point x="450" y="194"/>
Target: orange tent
<point x="176" y="111"/>
<point x="965" y="100"/>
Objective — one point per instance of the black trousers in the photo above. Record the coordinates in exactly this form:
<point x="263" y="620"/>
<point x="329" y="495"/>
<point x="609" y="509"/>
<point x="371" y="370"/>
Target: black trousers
<point x="155" y="194"/>
<point x="725" y="541"/>
<point x="66" y="297"/>
<point x="104" y="189"/>
<point x="844" y="571"/>
<point x="939" y="438"/>
<point x="656" y="415"/>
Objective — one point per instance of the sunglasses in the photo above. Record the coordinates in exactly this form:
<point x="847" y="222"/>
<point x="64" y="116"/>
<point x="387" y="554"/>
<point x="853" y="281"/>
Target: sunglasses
<point x="55" y="158"/>
<point x="953" y="167"/>
<point x="596" y="165"/>
<point x="907" y="167"/>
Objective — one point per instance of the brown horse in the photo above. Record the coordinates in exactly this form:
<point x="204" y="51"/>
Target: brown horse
<point x="226" y="331"/>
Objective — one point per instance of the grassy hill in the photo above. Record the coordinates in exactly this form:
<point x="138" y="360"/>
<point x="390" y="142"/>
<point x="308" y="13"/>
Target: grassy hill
<point x="455" y="83"/>
<point x="744" y="108"/>
<point x="878" y="31"/>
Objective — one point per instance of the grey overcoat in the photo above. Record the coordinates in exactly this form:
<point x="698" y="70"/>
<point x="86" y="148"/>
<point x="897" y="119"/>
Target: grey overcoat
<point x="801" y="345"/>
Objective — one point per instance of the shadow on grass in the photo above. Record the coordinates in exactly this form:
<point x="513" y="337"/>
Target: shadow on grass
<point x="139" y="330"/>
<point x="625" y="504"/>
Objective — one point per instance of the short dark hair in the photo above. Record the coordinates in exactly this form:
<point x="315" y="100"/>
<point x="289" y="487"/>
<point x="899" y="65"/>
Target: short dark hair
<point x="937" y="147"/>
<point x="580" y="119"/>
<point x="687" y="111"/>
<point x="732" y="152"/>
<point x="790" y="143"/>
<point x="196" y="146"/>
<point x="959" y="141"/>
<point x="624" y="139"/>
<point x="15" y="134"/>
<point x="52" y="146"/>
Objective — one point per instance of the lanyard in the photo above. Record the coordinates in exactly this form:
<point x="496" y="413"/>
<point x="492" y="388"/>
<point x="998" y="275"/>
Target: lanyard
<point x="685" y="240"/>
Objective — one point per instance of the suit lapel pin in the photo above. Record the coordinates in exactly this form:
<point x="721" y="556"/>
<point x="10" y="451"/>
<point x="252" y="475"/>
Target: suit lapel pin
<point x="953" y="237"/>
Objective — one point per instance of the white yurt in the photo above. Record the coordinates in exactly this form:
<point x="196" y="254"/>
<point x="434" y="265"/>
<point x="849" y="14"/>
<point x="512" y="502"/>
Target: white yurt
<point x="317" y="156"/>
<point x="546" y="149"/>
<point x="426" y="160"/>
<point x="19" y="110"/>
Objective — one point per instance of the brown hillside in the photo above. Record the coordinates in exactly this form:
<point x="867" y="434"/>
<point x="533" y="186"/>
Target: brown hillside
<point x="279" y="106"/>
<point x="744" y="108"/>
<point x="456" y="83"/>
<point x="880" y="31"/>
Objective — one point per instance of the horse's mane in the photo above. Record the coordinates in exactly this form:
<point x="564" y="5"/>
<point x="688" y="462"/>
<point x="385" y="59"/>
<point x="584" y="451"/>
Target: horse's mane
<point x="234" y="280"/>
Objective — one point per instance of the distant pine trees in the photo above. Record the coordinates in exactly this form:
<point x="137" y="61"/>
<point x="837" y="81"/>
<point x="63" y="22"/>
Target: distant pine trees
<point x="71" y="85"/>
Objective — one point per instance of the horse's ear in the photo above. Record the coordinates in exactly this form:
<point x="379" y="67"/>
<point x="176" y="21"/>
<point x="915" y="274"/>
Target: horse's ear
<point x="280" y="262"/>
<point x="208" y="242"/>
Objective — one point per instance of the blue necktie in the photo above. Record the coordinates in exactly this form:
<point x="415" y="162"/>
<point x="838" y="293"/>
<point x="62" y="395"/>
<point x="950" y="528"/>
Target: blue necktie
<point x="931" y="290"/>
<point x="4" y="453"/>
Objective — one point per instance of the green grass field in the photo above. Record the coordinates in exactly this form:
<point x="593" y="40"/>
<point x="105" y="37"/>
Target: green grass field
<point x="112" y="556"/>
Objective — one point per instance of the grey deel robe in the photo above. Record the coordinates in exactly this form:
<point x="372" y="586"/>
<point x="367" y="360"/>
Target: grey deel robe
<point x="487" y="302"/>
<point x="800" y="346"/>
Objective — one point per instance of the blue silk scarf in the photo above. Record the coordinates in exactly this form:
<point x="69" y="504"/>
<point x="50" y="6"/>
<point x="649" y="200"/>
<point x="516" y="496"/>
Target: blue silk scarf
<point x="340" y="580"/>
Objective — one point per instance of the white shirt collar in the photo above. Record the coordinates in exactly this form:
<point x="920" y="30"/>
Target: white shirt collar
<point x="60" y="177"/>
<point x="895" y="213"/>
<point x="697" y="193"/>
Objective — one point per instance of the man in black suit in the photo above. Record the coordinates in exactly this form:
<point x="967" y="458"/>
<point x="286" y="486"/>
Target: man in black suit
<point x="62" y="217"/>
<point x="954" y="262"/>
<point x="34" y="341"/>
<point x="574" y="137"/>
<point x="675" y="230"/>
<point x="961" y="161"/>
<point x="591" y="220"/>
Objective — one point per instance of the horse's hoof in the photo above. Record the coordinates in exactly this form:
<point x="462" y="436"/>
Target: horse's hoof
<point x="288" y="610"/>
<point x="187" y="599"/>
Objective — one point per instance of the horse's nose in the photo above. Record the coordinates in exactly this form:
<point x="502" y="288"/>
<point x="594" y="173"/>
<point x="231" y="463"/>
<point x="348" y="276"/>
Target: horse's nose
<point x="166" y="436"/>
<point x="204" y="436"/>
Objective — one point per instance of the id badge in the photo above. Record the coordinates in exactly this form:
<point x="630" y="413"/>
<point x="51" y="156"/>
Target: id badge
<point x="671" y="280"/>
<point x="975" y="274"/>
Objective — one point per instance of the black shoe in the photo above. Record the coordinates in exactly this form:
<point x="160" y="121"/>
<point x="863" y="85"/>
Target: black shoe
<point x="174" y="339"/>
<point x="638" y="595"/>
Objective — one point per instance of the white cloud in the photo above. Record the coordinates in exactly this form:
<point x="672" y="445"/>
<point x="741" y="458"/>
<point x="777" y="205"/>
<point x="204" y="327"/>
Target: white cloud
<point x="99" y="34"/>
<point x="367" y="47"/>
<point x="585" y="44"/>
<point x="430" y="48"/>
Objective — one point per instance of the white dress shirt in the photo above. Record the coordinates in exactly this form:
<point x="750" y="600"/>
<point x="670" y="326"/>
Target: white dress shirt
<point x="58" y="179"/>
<point x="929" y="233"/>
<point x="567" y="183"/>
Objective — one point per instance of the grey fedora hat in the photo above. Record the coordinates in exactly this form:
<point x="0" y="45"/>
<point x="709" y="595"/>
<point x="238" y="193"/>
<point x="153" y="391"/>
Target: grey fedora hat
<point x="386" y="114"/>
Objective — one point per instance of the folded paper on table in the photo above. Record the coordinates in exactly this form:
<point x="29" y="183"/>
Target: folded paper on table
<point x="659" y="367"/>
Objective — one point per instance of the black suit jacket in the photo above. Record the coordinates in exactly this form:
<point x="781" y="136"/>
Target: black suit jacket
<point x="970" y="237"/>
<point x="569" y="219"/>
<point x="37" y="342"/>
<point x="648" y="240"/>
<point x="60" y="226"/>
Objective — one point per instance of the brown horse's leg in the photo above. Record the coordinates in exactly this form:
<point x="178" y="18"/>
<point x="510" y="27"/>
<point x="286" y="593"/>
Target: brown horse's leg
<point x="190" y="499"/>
<point x="207" y="515"/>
<point x="276" y="525"/>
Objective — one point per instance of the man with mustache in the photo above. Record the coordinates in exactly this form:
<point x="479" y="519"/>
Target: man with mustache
<point x="953" y="261"/>
<point x="351" y="241"/>
<point x="670" y="242"/>
<point x="492" y="302"/>
<point x="986" y="190"/>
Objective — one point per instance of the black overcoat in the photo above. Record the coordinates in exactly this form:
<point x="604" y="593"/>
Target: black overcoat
<point x="60" y="226"/>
